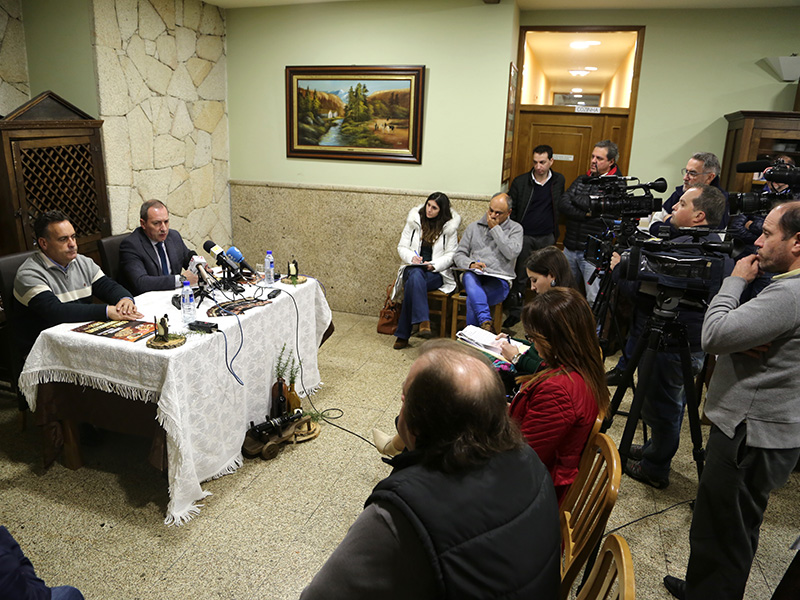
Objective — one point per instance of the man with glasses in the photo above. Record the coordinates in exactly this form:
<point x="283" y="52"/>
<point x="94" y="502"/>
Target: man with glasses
<point x="703" y="168"/>
<point x="487" y="254"/>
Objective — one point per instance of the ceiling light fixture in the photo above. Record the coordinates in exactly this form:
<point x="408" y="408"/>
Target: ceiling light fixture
<point x="590" y="68"/>
<point x="579" y="73"/>
<point x="576" y="90"/>
<point x="577" y="95"/>
<point x="583" y="45"/>
<point x="581" y="103"/>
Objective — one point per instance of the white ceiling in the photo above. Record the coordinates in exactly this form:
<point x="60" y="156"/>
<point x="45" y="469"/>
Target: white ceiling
<point x="561" y="5"/>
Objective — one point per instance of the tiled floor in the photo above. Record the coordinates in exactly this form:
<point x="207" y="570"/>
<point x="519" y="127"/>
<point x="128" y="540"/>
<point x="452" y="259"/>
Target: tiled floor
<point x="266" y="529"/>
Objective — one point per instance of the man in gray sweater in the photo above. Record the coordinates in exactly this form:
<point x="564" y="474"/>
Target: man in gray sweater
<point x="489" y="249"/>
<point x="753" y="402"/>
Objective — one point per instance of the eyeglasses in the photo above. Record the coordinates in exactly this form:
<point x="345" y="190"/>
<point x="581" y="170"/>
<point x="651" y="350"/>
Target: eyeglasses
<point x="693" y="174"/>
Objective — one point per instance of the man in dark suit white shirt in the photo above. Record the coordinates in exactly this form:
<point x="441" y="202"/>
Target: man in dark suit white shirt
<point x="154" y="257"/>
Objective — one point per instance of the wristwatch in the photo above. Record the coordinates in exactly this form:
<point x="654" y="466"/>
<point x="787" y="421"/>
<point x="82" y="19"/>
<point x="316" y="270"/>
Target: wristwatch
<point x="515" y="358"/>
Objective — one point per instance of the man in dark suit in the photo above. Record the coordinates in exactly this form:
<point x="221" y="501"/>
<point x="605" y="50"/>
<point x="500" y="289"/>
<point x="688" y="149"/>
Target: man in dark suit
<point x="153" y="257"/>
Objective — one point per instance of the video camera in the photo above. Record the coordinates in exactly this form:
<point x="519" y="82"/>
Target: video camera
<point x="617" y="198"/>
<point x="690" y="265"/>
<point x="774" y="171"/>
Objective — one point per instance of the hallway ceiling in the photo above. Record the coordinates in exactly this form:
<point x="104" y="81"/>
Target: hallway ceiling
<point x="562" y="5"/>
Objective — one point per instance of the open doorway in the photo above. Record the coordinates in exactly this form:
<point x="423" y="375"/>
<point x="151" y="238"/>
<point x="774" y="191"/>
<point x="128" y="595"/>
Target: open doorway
<point x="578" y="85"/>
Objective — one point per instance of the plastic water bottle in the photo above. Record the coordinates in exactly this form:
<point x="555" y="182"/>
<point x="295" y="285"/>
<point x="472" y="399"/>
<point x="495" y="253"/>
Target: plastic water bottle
<point x="187" y="303"/>
<point x="269" y="268"/>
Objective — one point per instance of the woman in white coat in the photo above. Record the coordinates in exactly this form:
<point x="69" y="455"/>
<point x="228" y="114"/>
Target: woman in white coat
<point x="426" y="248"/>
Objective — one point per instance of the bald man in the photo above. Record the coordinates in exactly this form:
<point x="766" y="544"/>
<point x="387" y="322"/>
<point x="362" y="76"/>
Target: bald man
<point x="489" y="249"/>
<point x="437" y="527"/>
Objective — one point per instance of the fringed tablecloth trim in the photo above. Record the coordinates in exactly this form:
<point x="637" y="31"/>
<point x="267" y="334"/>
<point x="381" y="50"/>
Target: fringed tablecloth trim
<point x="29" y="381"/>
<point x="185" y="515"/>
<point x="311" y="391"/>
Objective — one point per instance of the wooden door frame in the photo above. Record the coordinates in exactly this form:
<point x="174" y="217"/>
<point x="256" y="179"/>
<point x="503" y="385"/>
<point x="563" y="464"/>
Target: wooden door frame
<point x="625" y="149"/>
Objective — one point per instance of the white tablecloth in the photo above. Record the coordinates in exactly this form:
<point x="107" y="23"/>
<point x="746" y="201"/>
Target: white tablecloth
<point x="202" y="408"/>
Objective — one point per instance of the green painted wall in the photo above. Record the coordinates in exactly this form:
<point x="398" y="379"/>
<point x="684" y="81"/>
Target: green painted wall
<point x="698" y="65"/>
<point x="466" y="46"/>
<point x="58" y="37"/>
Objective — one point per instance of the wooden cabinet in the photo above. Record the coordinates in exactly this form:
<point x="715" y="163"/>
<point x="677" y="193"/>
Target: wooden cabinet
<point x="51" y="157"/>
<point x="757" y="135"/>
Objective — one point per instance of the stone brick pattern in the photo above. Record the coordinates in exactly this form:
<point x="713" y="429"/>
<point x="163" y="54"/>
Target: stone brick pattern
<point x="14" y="84"/>
<point x="161" y="71"/>
<point x="344" y="236"/>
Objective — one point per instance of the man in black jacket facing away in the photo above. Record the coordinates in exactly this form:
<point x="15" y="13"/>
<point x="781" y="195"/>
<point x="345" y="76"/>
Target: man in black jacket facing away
<point x="469" y="510"/>
<point x="535" y="198"/>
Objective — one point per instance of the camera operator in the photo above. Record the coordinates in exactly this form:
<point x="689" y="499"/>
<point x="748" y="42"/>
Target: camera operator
<point x="746" y="229"/>
<point x="702" y="168"/>
<point x="575" y="206"/>
<point x="753" y="402"/>
<point x="665" y="397"/>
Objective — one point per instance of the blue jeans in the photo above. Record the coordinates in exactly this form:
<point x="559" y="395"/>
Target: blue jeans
<point x="663" y="406"/>
<point x="582" y="270"/>
<point x="65" y="592"/>
<point x="483" y="291"/>
<point x="417" y="282"/>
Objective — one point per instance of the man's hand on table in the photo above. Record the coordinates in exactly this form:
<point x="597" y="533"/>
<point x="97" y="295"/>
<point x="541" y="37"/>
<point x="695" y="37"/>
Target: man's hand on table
<point x="124" y="310"/>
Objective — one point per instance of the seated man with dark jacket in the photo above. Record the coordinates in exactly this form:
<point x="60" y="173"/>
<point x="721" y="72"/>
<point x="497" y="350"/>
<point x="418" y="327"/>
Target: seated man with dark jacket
<point x="57" y="284"/>
<point x="468" y="511"/>
<point x="154" y="257"/>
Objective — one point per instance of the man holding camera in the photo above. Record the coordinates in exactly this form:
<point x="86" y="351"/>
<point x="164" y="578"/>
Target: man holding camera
<point x="665" y="398"/>
<point x="753" y="402"/>
<point x="575" y="204"/>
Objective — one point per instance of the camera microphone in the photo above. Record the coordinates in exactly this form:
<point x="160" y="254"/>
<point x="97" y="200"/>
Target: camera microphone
<point x="753" y="166"/>
<point x="234" y="253"/>
<point x="223" y="260"/>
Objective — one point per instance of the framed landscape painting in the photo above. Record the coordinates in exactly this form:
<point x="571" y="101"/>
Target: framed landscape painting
<point x="355" y="113"/>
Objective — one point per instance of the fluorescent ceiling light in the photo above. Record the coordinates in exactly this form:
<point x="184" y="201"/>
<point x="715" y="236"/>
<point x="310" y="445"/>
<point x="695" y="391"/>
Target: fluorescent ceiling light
<point x="590" y="68"/>
<point x="576" y="90"/>
<point x="578" y="73"/>
<point x="581" y="103"/>
<point x="577" y="95"/>
<point x="583" y="45"/>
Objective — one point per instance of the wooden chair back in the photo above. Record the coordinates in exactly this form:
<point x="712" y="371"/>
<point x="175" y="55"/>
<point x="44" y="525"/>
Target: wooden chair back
<point x="612" y="575"/>
<point x="585" y="509"/>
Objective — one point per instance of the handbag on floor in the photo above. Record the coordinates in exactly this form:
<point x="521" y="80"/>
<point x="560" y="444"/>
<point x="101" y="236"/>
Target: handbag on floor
<point x="389" y="315"/>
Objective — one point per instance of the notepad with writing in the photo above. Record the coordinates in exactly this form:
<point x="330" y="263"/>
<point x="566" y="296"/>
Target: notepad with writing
<point x="485" y="341"/>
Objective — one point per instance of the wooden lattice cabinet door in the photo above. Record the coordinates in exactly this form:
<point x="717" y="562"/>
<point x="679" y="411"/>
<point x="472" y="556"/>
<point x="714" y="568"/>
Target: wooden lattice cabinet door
<point x="52" y="158"/>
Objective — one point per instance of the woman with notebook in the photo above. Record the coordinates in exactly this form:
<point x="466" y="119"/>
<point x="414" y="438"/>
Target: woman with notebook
<point x="557" y="408"/>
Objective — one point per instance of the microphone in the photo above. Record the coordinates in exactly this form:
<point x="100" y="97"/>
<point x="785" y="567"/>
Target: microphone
<point x="234" y="253"/>
<point x="753" y="166"/>
<point x="223" y="260"/>
<point x="199" y="266"/>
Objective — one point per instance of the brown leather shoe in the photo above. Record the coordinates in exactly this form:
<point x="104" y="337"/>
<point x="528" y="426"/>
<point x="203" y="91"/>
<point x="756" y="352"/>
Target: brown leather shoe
<point x="400" y="343"/>
<point x="425" y="330"/>
<point x="488" y="326"/>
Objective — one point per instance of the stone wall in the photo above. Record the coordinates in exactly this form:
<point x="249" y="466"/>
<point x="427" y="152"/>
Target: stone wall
<point x="345" y="237"/>
<point x="14" y="85"/>
<point x="161" y="72"/>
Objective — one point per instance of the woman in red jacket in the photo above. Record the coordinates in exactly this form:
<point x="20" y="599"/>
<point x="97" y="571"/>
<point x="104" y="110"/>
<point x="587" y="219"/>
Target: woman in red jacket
<point x="557" y="407"/>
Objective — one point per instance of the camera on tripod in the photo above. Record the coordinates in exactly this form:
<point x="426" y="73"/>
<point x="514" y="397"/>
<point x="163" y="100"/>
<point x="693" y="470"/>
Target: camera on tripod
<point x="617" y="198"/>
<point x="752" y="203"/>
<point x="690" y="265"/>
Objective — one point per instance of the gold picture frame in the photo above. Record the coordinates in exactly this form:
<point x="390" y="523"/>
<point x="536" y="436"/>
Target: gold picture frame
<point x="355" y="113"/>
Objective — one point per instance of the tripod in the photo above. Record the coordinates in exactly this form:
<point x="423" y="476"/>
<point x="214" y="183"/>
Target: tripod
<point x="662" y="323"/>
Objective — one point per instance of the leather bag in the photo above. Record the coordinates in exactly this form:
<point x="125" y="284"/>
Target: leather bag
<point x="389" y="315"/>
